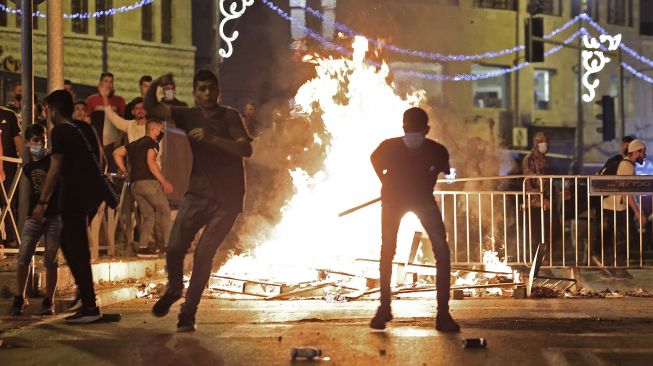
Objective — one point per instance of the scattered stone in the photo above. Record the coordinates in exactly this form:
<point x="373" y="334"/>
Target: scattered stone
<point x="382" y="352"/>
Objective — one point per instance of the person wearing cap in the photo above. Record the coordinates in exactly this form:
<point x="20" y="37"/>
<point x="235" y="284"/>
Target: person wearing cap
<point x="611" y="165"/>
<point x="615" y="213"/>
<point x="408" y="168"/>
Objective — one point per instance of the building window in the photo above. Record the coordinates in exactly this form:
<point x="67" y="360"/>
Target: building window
<point x="3" y="15"/>
<point x="542" y="89"/>
<point x="80" y="25"/>
<point x="298" y="14"/>
<point x="491" y="92"/>
<point x="147" y="26"/>
<point x="104" y="25"/>
<point x="496" y="4"/>
<point x="590" y="7"/>
<point x="551" y="7"/>
<point x="619" y="12"/>
<point x="166" y="21"/>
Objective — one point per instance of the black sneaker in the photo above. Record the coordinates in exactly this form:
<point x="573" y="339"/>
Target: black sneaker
<point x="85" y="315"/>
<point x="20" y="303"/>
<point x="445" y="323"/>
<point x="47" y="307"/>
<point x="186" y="323"/>
<point x="161" y="308"/>
<point x="382" y="316"/>
<point x="75" y="305"/>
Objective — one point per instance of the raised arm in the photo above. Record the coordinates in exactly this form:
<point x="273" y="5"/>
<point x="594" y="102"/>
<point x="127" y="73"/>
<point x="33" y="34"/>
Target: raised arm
<point x="153" y="107"/>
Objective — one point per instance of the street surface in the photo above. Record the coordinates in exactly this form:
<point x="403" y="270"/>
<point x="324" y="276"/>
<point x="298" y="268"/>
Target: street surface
<point x="256" y="332"/>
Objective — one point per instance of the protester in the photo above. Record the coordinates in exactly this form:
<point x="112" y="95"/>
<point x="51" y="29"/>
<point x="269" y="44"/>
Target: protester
<point x="249" y="119"/>
<point x="611" y="165"/>
<point x="170" y="95"/>
<point x="68" y="86"/>
<point x="16" y="104"/>
<point x="215" y="195"/>
<point x="50" y="228"/>
<point x="615" y="213"/>
<point x="75" y="164"/>
<point x="12" y="147"/>
<point x="95" y="110"/>
<point x="143" y="85"/>
<point x="148" y="185"/>
<point x="408" y="168"/>
<point x="79" y="114"/>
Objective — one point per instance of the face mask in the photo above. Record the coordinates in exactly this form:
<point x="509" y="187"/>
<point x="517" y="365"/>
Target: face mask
<point x="37" y="150"/>
<point x="169" y="94"/>
<point x="413" y="140"/>
<point x="543" y="147"/>
<point x="19" y="97"/>
<point x="159" y="137"/>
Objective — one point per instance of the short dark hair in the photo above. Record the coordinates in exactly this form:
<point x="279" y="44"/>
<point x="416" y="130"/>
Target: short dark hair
<point x="80" y="102"/>
<point x="151" y="121"/>
<point x="143" y="79"/>
<point x="67" y="82"/>
<point x="105" y="74"/>
<point x="205" y="75"/>
<point x="415" y="119"/>
<point x="62" y="101"/>
<point x="628" y="139"/>
<point x="136" y="101"/>
<point x="34" y="130"/>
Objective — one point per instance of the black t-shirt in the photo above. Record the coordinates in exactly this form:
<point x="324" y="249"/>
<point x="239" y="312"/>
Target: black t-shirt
<point x="410" y="174"/>
<point x="36" y="171"/>
<point x="80" y="178"/>
<point x="216" y="174"/>
<point x="137" y="152"/>
<point x="610" y="167"/>
<point x="10" y="129"/>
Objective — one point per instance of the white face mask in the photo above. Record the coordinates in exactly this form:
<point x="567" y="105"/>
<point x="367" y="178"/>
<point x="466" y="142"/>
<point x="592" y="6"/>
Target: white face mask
<point x="413" y="140"/>
<point x="38" y="151"/>
<point x="169" y="94"/>
<point x="543" y="147"/>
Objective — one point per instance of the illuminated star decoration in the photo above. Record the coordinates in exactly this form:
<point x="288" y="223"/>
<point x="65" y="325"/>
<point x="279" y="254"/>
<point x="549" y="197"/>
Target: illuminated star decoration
<point x="594" y="61"/>
<point x="233" y="13"/>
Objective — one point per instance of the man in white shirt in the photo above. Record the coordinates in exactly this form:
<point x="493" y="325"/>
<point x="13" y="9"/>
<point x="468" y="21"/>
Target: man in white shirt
<point x="616" y="211"/>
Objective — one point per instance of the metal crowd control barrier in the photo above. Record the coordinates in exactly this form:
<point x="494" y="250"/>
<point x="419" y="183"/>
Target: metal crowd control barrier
<point x="512" y="215"/>
<point x="566" y="213"/>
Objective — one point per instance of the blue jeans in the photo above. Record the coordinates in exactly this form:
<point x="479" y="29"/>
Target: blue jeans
<point x="33" y="230"/>
<point x="196" y="212"/>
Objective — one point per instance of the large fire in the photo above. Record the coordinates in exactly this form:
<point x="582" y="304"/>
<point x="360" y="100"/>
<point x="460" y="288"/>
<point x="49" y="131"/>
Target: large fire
<point x="359" y="109"/>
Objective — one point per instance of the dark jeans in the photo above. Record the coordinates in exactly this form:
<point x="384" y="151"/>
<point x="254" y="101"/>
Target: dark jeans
<point x="194" y="213"/>
<point x="615" y="235"/>
<point x="74" y="245"/>
<point x="429" y="215"/>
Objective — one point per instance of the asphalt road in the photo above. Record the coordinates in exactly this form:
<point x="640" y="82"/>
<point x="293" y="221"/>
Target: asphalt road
<point x="519" y="332"/>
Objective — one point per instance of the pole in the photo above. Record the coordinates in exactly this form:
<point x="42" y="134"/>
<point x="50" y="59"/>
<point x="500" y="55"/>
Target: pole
<point x="55" y="45"/>
<point x="580" y="143"/>
<point x="622" y="99"/>
<point x="515" y="119"/>
<point x="27" y="113"/>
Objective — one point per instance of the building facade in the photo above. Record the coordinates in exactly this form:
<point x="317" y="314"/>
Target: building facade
<point x="153" y="39"/>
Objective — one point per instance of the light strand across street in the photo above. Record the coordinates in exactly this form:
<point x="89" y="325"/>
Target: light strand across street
<point x="437" y="55"/>
<point x="95" y="14"/>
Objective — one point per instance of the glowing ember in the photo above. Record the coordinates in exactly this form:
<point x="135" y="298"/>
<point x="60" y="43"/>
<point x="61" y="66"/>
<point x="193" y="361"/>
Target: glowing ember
<point x="359" y="109"/>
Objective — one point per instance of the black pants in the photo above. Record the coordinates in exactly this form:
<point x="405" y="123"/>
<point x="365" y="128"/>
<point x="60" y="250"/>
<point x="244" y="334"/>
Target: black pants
<point x="429" y="215"/>
<point x="615" y="235"/>
<point x="74" y="245"/>
<point x="196" y="212"/>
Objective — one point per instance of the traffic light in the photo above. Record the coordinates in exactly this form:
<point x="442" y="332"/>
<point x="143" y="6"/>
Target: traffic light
<point x="534" y="47"/>
<point x="607" y="117"/>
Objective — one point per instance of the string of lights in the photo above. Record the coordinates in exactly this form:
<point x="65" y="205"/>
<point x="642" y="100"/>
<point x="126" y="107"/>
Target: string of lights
<point x="95" y="14"/>
<point x="437" y="56"/>
<point x="640" y="75"/>
<point x="430" y="76"/>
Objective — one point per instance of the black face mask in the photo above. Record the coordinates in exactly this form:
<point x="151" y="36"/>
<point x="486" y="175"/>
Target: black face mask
<point x="159" y="137"/>
<point x="19" y="97"/>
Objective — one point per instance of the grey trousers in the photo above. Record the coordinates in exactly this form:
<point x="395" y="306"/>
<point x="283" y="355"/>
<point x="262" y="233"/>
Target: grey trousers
<point x="155" y="210"/>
